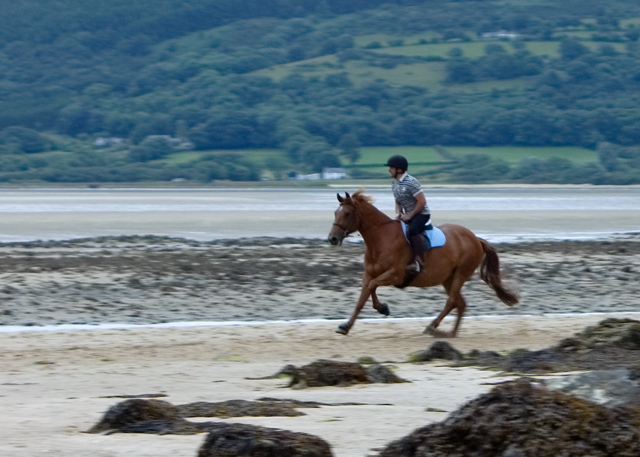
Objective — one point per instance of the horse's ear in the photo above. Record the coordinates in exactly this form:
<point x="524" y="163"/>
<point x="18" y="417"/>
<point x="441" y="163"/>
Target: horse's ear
<point x="347" y="195"/>
<point x="340" y="199"/>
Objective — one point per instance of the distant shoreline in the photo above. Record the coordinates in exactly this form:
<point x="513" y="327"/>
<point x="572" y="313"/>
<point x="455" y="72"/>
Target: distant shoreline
<point x="346" y="184"/>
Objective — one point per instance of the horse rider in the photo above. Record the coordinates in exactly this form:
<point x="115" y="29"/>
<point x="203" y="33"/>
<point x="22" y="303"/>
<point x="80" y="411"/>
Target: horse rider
<point x="411" y="207"/>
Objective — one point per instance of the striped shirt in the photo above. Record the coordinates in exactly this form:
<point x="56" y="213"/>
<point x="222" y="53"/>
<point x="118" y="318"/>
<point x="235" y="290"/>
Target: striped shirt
<point x="405" y="190"/>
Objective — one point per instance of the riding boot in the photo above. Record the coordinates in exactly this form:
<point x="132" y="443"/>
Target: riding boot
<point x="417" y="249"/>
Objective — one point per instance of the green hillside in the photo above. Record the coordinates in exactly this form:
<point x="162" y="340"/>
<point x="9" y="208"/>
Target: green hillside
<point x="490" y="91"/>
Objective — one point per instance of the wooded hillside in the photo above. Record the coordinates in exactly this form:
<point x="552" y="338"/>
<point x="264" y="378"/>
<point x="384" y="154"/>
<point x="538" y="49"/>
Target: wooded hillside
<point x="113" y="91"/>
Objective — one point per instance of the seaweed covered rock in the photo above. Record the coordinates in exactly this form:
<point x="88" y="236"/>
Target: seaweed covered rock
<point x="135" y="411"/>
<point x="240" y="408"/>
<point x="381" y="374"/>
<point x="161" y="417"/>
<point x="228" y="440"/>
<point x="331" y="373"/>
<point x="328" y="373"/>
<point x="611" y="344"/>
<point x="522" y="419"/>
<point x="621" y="333"/>
<point x="438" y="350"/>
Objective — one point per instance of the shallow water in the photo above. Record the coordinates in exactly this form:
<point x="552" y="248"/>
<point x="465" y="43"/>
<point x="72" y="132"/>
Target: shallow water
<point x="498" y="213"/>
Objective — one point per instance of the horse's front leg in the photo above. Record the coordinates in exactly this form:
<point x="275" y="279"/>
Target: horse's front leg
<point x="369" y="287"/>
<point x="378" y="306"/>
<point x="364" y="296"/>
<point x="388" y="278"/>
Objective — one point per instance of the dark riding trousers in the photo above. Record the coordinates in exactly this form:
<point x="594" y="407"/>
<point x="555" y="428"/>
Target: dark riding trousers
<point x="418" y="224"/>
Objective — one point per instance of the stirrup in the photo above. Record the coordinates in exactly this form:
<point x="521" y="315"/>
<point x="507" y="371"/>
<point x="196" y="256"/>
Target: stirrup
<point x="414" y="267"/>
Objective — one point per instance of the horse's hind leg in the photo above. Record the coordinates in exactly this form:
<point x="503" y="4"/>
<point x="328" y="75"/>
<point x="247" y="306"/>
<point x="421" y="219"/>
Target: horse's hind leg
<point x="455" y="300"/>
<point x="461" y="306"/>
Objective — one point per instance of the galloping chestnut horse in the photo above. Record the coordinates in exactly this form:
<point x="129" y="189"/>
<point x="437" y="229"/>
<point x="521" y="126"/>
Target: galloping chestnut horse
<point x="387" y="255"/>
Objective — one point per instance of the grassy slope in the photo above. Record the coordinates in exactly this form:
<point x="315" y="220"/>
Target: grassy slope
<point x="423" y="158"/>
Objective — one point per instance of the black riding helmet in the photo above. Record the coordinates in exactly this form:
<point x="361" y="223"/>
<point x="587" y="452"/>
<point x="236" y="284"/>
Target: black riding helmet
<point x="398" y="162"/>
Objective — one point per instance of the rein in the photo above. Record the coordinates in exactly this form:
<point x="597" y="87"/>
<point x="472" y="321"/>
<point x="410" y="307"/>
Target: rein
<point x="346" y="230"/>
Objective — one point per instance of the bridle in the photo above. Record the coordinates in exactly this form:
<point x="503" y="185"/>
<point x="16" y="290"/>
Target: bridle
<point x="354" y="217"/>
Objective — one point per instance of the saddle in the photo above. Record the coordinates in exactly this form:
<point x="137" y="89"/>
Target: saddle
<point x="433" y="238"/>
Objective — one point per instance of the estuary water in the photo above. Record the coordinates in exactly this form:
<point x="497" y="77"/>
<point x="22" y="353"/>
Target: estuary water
<point x="497" y="213"/>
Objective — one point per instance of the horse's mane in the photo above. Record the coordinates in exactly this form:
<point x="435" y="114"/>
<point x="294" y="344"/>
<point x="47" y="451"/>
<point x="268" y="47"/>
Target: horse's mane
<point x="359" y="196"/>
<point x="364" y="204"/>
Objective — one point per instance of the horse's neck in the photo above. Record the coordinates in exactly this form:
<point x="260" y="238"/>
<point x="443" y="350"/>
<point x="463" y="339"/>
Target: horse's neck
<point x="372" y="223"/>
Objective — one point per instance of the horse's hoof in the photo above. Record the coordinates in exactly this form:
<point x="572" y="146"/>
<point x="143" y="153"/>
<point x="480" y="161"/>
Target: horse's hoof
<point x="343" y="329"/>
<point x="434" y="332"/>
<point x="384" y="309"/>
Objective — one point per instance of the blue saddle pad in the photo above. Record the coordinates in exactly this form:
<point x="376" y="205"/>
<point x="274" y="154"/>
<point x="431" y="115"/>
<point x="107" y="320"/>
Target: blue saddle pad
<point x="435" y="236"/>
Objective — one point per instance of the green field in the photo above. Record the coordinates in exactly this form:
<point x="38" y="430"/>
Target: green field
<point x="422" y="159"/>
<point x="513" y="154"/>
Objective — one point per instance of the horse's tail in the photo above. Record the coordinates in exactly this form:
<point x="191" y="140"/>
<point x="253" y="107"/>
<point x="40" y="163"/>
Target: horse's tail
<point x="490" y="273"/>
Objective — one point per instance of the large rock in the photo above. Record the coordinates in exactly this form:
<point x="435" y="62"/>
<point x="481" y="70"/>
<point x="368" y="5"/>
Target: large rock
<point x="231" y="440"/>
<point x="521" y="419"/>
<point x="610" y="388"/>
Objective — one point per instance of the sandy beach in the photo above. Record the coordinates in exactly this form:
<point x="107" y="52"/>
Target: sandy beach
<point x="55" y="384"/>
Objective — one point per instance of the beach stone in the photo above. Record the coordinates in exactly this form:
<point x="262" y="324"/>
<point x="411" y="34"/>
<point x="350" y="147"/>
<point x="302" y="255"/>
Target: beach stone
<point x="366" y="360"/>
<point x="134" y="411"/>
<point x="523" y="419"/>
<point x="438" y="350"/>
<point x="230" y="440"/>
<point x="381" y="374"/>
<point x="328" y="373"/>
<point x="342" y="374"/>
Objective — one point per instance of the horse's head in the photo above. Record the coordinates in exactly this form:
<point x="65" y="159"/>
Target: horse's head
<point x="346" y="220"/>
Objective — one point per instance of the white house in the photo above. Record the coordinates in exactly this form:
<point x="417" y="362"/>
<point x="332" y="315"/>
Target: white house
<point x="333" y="173"/>
<point x="501" y="34"/>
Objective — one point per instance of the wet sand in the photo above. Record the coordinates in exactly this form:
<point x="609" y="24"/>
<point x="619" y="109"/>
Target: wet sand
<point x="149" y="280"/>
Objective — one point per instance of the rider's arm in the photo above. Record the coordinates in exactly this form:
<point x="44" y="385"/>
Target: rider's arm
<point x="398" y="209"/>
<point x="421" y="202"/>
